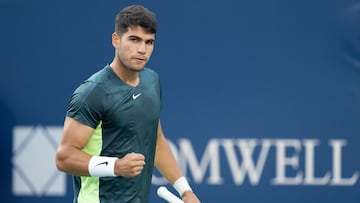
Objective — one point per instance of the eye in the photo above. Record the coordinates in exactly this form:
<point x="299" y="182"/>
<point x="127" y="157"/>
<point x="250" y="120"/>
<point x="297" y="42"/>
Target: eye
<point x="134" y="39"/>
<point x="150" y="42"/>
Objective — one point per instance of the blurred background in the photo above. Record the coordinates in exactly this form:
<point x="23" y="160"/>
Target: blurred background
<point x="261" y="99"/>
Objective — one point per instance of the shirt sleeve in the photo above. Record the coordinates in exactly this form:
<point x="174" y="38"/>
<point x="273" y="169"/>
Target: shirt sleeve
<point x="86" y="104"/>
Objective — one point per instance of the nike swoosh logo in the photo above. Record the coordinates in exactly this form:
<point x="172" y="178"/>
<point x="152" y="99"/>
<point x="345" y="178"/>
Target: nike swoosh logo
<point x="136" y="96"/>
<point x="106" y="163"/>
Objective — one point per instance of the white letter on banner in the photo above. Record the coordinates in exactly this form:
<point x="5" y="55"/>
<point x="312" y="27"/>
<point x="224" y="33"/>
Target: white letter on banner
<point x="337" y="155"/>
<point x="246" y="147"/>
<point x="282" y="161"/>
<point x="210" y="157"/>
<point x="310" y="178"/>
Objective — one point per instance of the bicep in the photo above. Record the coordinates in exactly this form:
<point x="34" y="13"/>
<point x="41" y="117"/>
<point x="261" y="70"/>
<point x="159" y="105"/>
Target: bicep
<point x="163" y="151"/>
<point x="69" y="157"/>
<point x="75" y="133"/>
<point x="161" y="140"/>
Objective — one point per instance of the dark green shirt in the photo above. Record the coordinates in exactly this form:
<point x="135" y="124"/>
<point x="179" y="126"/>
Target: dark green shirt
<point x="125" y="119"/>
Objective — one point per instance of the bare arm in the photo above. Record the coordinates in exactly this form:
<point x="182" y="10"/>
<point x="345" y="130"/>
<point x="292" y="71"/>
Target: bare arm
<point x="164" y="159"/>
<point x="70" y="159"/>
<point x="168" y="167"/>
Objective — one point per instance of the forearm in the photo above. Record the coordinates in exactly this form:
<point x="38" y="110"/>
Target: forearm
<point x="166" y="163"/>
<point x="76" y="162"/>
<point x="73" y="161"/>
<point x="168" y="167"/>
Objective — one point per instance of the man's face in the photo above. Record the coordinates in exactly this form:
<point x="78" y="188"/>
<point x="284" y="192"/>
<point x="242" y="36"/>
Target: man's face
<point x="134" y="48"/>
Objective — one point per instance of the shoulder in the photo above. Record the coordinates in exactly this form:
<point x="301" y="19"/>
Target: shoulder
<point x="92" y="87"/>
<point x="149" y="74"/>
<point x="97" y="81"/>
<point x="101" y="76"/>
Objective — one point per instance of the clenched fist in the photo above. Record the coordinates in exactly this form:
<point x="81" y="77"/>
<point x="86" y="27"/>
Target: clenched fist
<point x="130" y="165"/>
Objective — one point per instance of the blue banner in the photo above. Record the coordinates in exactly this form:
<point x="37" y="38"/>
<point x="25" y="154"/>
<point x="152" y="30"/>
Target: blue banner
<point x="261" y="99"/>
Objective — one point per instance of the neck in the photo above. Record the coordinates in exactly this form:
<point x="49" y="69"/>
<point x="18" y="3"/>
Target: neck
<point x="128" y="76"/>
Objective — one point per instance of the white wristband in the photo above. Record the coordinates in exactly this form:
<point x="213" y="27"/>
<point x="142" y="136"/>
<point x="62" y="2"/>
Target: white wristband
<point x="181" y="185"/>
<point x="102" y="166"/>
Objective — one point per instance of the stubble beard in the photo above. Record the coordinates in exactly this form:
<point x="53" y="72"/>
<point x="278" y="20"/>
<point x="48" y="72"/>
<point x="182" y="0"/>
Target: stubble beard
<point x="129" y="67"/>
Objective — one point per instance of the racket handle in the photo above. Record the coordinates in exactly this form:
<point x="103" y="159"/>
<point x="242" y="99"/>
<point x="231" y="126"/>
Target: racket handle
<point x="164" y="193"/>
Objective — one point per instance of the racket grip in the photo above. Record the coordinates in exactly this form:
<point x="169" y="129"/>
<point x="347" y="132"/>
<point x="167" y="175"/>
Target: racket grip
<point x="164" y="193"/>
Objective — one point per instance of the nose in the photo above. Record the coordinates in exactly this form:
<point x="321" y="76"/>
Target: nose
<point x="142" y="48"/>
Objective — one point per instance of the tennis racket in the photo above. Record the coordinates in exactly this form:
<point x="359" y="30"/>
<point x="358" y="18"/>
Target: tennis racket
<point x="164" y="193"/>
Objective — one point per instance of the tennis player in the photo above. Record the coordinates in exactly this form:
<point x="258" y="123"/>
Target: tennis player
<point x="112" y="135"/>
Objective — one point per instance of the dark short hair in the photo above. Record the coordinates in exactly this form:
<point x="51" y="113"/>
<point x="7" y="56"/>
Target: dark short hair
<point x="135" y="15"/>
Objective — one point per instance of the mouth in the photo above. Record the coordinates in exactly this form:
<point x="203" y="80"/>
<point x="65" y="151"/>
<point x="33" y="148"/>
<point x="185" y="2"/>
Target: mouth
<point x="140" y="59"/>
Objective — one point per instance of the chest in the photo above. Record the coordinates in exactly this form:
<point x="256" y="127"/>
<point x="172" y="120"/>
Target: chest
<point x="140" y="105"/>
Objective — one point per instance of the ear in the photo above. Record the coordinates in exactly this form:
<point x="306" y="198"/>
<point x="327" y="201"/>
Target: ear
<point x="115" y="39"/>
